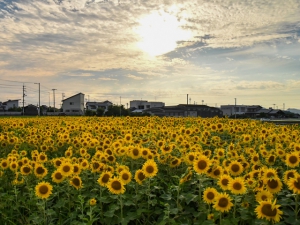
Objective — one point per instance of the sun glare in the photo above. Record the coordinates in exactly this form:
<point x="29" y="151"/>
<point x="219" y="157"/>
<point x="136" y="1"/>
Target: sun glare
<point x="159" y="33"/>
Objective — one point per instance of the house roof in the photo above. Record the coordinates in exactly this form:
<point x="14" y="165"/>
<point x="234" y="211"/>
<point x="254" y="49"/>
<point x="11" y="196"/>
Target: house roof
<point x="73" y="96"/>
<point x="10" y="101"/>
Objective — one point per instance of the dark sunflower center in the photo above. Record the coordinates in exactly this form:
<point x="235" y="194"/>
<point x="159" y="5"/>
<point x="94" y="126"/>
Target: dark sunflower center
<point x="273" y="184"/>
<point x="217" y="172"/>
<point x="110" y="158"/>
<point x="57" y="163"/>
<point x="271" y="159"/>
<point x="225" y="181"/>
<point x="135" y="152"/>
<point x="202" y="164"/>
<point x="105" y="178"/>
<point x="141" y="176"/>
<point x="255" y="158"/>
<point x="43" y="189"/>
<point x="235" y="168"/>
<point x="297" y="183"/>
<point x="293" y="159"/>
<point x="125" y="176"/>
<point x="66" y="168"/>
<point x="270" y="174"/>
<point x="42" y="157"/>
<point x="26" y="169"/>
<point x="149" y="169"/>
<point x="191" y="157"/>
<point x="116" y="185"/>
<point x="76" y="169"/>
<point x="290" y="175"/>
<point x="40" y="170"/>
<point x="237" y="186"/>
<point x="267" y="210"/>
<point x="223" y="202"/>
<point x="264" y="198"/>
<point x="76" y="181"/>
<point x="58" y="176"/>
<point x="210" y="195"/>
<point x="175" y="162"/>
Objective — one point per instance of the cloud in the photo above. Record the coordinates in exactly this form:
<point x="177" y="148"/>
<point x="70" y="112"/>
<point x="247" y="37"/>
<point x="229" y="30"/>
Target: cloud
<point x="134" y="77"/>
<point x="106" y="78"/>
<point x="82" y="75"/>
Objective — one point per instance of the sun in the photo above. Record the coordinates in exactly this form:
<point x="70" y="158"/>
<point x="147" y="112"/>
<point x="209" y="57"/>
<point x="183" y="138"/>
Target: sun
<point x="159" y="33"/>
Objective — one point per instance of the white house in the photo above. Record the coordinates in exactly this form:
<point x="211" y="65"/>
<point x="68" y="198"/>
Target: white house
<point x="95" y="105"/>
<point x="11" y="104"/>
<point x="229" y="110"/>
<point x="144" y="104"/>
<point x="74" y="105"/>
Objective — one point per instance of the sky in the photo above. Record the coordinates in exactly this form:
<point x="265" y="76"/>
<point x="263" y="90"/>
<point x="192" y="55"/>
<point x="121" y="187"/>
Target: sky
<point x="215" y="51"/>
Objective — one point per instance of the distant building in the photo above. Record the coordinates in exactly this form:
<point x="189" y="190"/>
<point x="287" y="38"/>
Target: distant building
<point x="186" y="110"/>
<point x="74" y="105"/>
<point x="10" y="104"/>
<point x="95" y="105"/>
<point x="31" y="110"/>
<point x="230" y="110"/>
<point x="144" y="104"/>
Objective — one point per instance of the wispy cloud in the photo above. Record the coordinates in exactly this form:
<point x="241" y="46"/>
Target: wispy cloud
<point x="134" y="77"/>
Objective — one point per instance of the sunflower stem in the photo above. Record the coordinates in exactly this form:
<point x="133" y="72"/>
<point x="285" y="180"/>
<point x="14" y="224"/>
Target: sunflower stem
<point x="44" y="210"/>
<point x="296" y="207"/>
<point x="121" y="206"/>
<point x="234" y="209"/>
<point x="101" y="206"/>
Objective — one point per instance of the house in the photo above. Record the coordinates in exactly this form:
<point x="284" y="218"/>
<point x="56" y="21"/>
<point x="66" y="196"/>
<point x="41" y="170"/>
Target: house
<point x="2" y="107"/>
<point x="74" y="105"/>
<point x="249" y="110"/>
<point x="31" y="110"/>
<point x="11" y="104"/>
<point x="144" y="104"/>
<point x="95" y="105"/>
<point x="185" y="110"/>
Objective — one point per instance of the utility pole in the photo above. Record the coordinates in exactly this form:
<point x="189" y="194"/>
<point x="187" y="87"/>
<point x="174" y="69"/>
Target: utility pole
<point x="202" y="102"/>
<point x="274" y="106"/>
<point x="283" y="106"/>
<point x="54" y="98"/>
<point x="187" y="99"/>
<point x="39" y="97"/>
<point x="235" y="108"/>
<point x="23" y="99"/>
<point x="120" y="106"/>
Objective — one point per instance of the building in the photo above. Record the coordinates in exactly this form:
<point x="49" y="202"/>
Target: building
<point x="31" y="110"/>
<point x="95" y="105"/>
<point x="74" y="105"/>
<point x="10" y="104"/>
<point x="144" y="104"/>
<point x="185" y="110"/>
<point x="230" y="110"/>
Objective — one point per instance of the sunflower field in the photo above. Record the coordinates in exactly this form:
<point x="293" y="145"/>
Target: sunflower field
<point x="148" y="170"/>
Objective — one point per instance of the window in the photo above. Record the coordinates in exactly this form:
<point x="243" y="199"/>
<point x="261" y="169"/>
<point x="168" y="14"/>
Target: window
<point x="148" y="106"/>
<point x="242" y="109"/>
<point x="71" y="103"/>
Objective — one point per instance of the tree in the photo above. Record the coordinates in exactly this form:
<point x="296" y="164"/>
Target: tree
<point x="115" y="110"/>
<point x="90" y="113"/>
<point x="100" y="111"/>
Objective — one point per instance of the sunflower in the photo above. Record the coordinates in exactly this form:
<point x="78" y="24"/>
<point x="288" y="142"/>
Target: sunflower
<point x="120" y="168"/>
<point x="76" y="182"/>
<point x="125" y="176"/>
<point x="139" y="176"/>
<point x="237" y="186"/>
<point x="202" y="164"/>
<point x="40" y="171"/>
<point x="292" y="159"/>
<point x="289" y="174"/>
<point x="216" y="172"/>
<point x="190" y="157"/>
<point x="223" y="181"/>
<point x="43" y="190"/>
<point x="76" y="169"/>
<point x="66" y="169"/>
<point x="175" y="162"/>
<point x="223" y="202"/>
<point x="209" y="195"/>
<point x="211" y="216"/>
<point x="294" y="184"/>
<point x="13" y="166"/>
<point x="274" y="185"/>
<point x="269" y="173"/>
<point x="104" y="178"/>
<point x="93" y="202"/>
<point x="268" y="210"/>
<point x="150" y="168"/>
<point x="85" y="164"/>
<point x="165" y="149"/>
<point x="42" y="157"/>
<point x="235" y="168"/>
<point x="263" y="195"/>
<point x="57" y="162"/>
<point x="115" y="186"/>
<point x="134" y="152"/>
<point x="57" y="176"/>
<point x="26" y="169"/>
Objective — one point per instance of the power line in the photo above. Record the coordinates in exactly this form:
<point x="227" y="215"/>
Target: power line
<point x="15" y="81"/>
